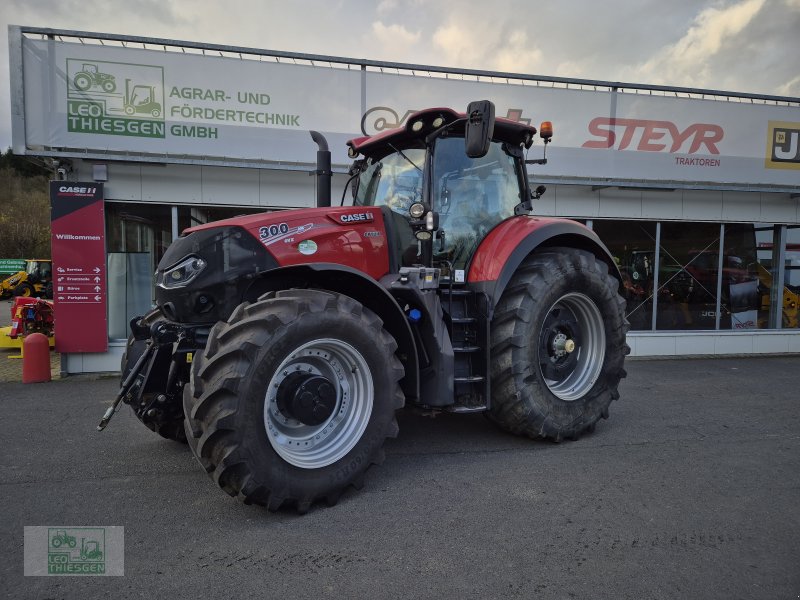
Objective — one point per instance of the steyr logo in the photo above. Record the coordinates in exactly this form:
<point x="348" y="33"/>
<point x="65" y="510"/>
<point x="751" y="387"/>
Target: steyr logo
<point x="783" y="145"/>
<point x="653" y="136"/>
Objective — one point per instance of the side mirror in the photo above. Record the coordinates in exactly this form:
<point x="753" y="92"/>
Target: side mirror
<point x="479" y="128"/>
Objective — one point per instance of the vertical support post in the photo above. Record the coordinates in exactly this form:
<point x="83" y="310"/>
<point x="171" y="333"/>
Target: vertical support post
<point x="363" y="91"/>
<point x="778" y="276"/>
<point x="656" y="269"/>
<point x="174" y="216"/>
<point x="720" y="266"/>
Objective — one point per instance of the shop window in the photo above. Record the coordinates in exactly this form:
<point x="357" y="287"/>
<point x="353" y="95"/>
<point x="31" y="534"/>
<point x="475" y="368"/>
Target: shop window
<point x="688" y="268"/>
<point x="780" y="307"/>
<point x="632" y="244"/>
<point x="742" y="285"/>
<point x="137" y="235"/>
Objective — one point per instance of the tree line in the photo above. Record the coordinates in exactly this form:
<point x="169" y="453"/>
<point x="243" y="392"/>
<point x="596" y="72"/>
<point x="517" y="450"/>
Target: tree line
<point x="24" y="208"/>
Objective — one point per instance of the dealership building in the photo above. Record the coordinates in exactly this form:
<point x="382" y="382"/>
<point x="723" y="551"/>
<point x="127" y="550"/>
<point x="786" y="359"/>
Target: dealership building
<point x="696" y="193"/>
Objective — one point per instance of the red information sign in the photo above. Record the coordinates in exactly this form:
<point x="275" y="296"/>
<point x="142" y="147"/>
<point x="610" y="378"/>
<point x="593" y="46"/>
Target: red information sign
<point x="79" y="266"/>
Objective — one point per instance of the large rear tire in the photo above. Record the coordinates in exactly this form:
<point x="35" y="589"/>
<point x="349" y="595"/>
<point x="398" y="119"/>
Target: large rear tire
<point x="558" y="346"/>
<point x="293" y="398"/>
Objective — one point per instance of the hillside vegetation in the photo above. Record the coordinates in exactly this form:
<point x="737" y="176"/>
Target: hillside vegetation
<point x="24" y="208"/>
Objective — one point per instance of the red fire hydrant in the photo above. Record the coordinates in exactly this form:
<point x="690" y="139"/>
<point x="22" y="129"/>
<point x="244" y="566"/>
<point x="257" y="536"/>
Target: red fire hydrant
<point x="35" y="358"/>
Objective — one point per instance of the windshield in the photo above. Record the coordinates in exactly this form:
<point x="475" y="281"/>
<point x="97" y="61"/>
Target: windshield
<point x="394" y="181"/>
<point x="472" y="195"/>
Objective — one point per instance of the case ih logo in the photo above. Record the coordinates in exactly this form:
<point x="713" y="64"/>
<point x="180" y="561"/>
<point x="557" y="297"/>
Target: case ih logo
<point x="653" y="136"/>
<point x="356" y="217"/>
<point x="783" y="145"/>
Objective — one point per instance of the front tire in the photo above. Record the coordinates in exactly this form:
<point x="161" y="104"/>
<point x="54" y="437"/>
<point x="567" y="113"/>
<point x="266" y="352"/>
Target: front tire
<point x="558" y="343"/>
<point x="293" y="397"/>
<point x="24" y="290"/>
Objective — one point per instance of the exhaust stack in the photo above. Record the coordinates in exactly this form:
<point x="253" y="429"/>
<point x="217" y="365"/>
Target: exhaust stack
<point x="323" y="171"/>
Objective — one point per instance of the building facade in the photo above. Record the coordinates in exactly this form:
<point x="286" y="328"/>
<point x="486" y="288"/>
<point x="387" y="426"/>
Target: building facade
<point x="695" y="192"/>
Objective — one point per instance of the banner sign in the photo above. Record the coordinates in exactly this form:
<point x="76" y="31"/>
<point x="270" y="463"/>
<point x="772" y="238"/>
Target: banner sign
<point x="611" y="135"/>
<point x="11" y="265"/>
<point x="79" y="258"/>
<point x="187" y="105"/>
<point x="146" y="102"/>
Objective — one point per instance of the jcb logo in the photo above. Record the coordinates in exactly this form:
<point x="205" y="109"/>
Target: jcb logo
<point x="783" y="145"/>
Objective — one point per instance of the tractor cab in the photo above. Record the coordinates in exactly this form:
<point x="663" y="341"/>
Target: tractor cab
<point x="39" y="271"/>
<point x="446" y="184"/>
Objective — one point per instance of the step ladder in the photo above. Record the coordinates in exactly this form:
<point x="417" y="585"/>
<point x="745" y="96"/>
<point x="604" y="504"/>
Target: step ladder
<point x="470" y="339"/>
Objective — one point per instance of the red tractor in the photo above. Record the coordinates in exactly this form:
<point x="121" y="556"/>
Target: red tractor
<point x="283" y="343"/>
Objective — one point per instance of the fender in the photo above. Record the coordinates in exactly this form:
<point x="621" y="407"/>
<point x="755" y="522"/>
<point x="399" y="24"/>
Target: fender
<point x="350" y="282"/>
<point x="509" y="243"/>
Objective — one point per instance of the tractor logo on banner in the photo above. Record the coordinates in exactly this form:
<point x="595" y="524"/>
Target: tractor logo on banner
<point x="110" y="98"/>
<point x="76" y="551"/>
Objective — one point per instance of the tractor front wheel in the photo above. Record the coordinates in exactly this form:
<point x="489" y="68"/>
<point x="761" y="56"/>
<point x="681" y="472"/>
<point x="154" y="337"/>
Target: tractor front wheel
<point x="109" y="86"/>
<point x="24" y="289"/>
<point x="293" y="397"/>
<point x="558" y="343"/>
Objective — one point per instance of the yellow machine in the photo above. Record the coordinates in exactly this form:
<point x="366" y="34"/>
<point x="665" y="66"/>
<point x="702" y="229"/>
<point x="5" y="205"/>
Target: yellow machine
<point x="791" y="300"/>
<point x="35" y="280"/>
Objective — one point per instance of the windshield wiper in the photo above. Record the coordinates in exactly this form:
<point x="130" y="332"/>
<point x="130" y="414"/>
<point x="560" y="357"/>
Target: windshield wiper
<point x="400" y="152"/>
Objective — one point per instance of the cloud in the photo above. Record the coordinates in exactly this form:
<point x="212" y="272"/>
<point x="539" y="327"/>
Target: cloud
<point x="687" y="61"/>
<point x="478" y="44"/>
<point x="790" y="88"/>
<point x="394" y="34"/>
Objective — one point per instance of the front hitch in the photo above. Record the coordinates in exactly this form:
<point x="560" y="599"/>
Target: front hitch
<point x="158" y="335"/>
<point x="126" y="384"/>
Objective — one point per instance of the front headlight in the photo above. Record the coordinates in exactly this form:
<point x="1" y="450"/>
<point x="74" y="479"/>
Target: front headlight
<point x="182" y="273"/>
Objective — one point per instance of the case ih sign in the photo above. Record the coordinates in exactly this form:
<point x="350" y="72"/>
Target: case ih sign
<point x="79" y="273"/>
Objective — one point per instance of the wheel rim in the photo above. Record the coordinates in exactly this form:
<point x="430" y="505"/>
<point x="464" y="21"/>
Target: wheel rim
<point x="572" y="346"/>
<point x="311" y="445"/>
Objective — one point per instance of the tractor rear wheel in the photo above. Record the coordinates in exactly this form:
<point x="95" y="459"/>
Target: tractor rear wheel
<point x="558" y="346"/>
<point x="82" y="82"/>
<point x="293" y="397"/>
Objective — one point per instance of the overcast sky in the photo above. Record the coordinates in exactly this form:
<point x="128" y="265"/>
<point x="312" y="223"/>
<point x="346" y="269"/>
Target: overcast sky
<point x="738" y="45"/>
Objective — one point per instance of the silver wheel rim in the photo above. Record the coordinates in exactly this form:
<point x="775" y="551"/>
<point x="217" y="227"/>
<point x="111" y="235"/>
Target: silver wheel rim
<point x="317" y="446"/>
<point x="572" y="346"/>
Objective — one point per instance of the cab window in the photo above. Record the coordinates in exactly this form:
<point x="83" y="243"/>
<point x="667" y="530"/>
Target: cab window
<point x="472" y="195"/>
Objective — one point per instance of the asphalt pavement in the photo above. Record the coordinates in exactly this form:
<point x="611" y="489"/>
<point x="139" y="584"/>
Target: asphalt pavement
<point x="690" y="490"/>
